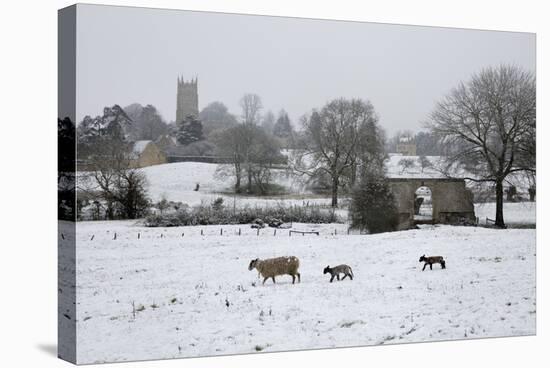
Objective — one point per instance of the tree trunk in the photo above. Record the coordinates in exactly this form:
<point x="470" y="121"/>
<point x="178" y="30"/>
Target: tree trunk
<point x="237" y="178"/>
<point x="499" y="217"/>
<point x="335" y="183"/>
<point x="249" y="184"/>
<point x="110" y="212"/>
<point x="238" y="184"/>
<point x="353" y="170"/>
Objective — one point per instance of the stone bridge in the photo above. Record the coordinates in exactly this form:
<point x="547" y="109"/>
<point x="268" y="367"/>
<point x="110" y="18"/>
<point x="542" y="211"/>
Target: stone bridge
<point x="452" y="202"/>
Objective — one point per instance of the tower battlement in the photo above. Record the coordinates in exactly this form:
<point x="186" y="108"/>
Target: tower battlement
<point x="187" y="100"/>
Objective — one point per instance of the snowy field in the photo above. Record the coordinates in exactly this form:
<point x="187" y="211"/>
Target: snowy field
<point x="176" y="182"/>
<point x="520" y="213"/>
<point x="166" y="295"/>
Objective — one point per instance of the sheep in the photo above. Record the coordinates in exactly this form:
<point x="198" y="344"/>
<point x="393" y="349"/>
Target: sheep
<point x="431" y="260"/>
<point x="269" y="268"/>
<point x="337" y="270"/>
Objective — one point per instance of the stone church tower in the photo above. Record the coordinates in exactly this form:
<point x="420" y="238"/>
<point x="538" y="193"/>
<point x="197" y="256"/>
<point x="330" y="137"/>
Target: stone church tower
<point x="187" y="102"/>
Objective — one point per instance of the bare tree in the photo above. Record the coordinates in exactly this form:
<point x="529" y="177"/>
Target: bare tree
<point x="332" y="140"/>
<point x="488" y="127"/>
<point x="113" y="182"/>
<point x="406" y="164"/>
<point x="215" y="116"/>
<point x="232" y="143"/>
<point x="424" y="162"/>
<point x="252" y="152"/>
<point x="251" y="105"/>
<point x="265" y="152"/>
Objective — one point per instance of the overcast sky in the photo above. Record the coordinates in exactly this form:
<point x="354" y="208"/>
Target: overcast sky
<point x="127" y="55"/>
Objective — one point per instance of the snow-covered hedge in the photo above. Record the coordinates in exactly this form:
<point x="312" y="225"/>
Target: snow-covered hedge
<point x="207" y="215"/>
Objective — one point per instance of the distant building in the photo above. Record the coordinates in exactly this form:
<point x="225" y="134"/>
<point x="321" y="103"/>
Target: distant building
<point x="165" y="142"/>
<point x="146" y="153"/>
<point x="406" y="146"/>
<point x="187" y="99"/>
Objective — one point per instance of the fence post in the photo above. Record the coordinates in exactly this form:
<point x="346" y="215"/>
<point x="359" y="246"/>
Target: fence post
<point x="289" y="233"/>
<point x="274" y="232"/>
<point x="202" y="232"/>
<point x="239" y="231"/>
<point x="182" y="234"/>
<point x="221" y="231"/>
<point x="258" y="232"/>
<point x="114" y="237"/>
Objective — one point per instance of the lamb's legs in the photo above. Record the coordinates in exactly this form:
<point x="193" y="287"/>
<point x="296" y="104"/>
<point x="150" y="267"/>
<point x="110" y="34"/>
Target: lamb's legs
<point x="265" y="278"/>
<point x="273" y="278"/>
<point x="299" y="278"/>
<point x="423" y="268"/>
<point x="431" y="266"/>
<point x="338" y="276"/>
<point x="332" y="278"/>
<point x="293" y="278"/>
<point x="345" y="275"/>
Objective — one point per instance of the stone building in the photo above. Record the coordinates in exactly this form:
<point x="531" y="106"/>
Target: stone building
<point x="406" y="146"/>
<point x="166" y="142"/>
<point x="146" y="153"/>
<point x="187" y="100"/>
<point x="451" y="201"/>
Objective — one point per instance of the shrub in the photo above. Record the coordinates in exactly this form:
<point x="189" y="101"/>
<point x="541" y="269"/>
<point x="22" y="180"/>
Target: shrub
<point x="372" y="205"/>
<point x="217" y="205"/>
<point x="208" y="215"/>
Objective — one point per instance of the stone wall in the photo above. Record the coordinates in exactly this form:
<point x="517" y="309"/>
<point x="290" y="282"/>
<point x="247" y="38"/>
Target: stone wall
<point x="150" y="156"/>
<point x="452" y="202"/>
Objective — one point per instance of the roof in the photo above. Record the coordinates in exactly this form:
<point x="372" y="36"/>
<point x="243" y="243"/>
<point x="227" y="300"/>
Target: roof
<point x="406" y="140"/>
<point x="139" y="147"/>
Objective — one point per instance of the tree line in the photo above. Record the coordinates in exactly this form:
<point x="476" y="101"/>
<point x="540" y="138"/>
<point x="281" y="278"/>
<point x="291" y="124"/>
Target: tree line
<point x="484" y="127"/>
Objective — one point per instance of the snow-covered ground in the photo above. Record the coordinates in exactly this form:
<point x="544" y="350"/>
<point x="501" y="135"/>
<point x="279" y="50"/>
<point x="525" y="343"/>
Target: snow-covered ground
<point x="177" y="181"/>
<point x="515" y="213"/>
<point x="166" y="295"/>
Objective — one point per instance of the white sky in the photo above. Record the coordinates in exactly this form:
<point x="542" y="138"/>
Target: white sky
<point x="127" y="55"/>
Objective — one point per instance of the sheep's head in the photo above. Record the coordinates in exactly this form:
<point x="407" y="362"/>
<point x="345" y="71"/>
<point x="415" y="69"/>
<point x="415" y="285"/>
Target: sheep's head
<point x="252" y="264"/>
<point x="326" y="270"/>
<point x="422" y="258"/>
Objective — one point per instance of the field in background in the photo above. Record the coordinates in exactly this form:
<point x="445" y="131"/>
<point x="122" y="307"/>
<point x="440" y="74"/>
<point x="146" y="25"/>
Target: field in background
<point x="176" y="182"/>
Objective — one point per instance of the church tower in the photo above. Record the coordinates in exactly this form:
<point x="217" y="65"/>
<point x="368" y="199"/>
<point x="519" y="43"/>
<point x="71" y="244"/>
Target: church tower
<point x="187" y="102"/>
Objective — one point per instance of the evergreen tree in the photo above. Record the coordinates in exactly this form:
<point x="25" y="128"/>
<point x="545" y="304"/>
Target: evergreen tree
<point x="189" y="131"/>
<point x="372" y="204"/>
<point x="282" y="127"/>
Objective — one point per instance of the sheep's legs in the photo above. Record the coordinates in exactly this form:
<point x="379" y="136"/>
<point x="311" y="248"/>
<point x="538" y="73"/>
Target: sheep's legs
<point x="338" y="276"/>
<point x="423" y="268"/>
<point x="293" y="278"/>
<point x="265" y="279"/>
<point x="273" y="278"/>
<point x="299" y="279"/>
<point x="431" y="267"/>
<point x="332" y="278"/>
<point x="345" y="275"/>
